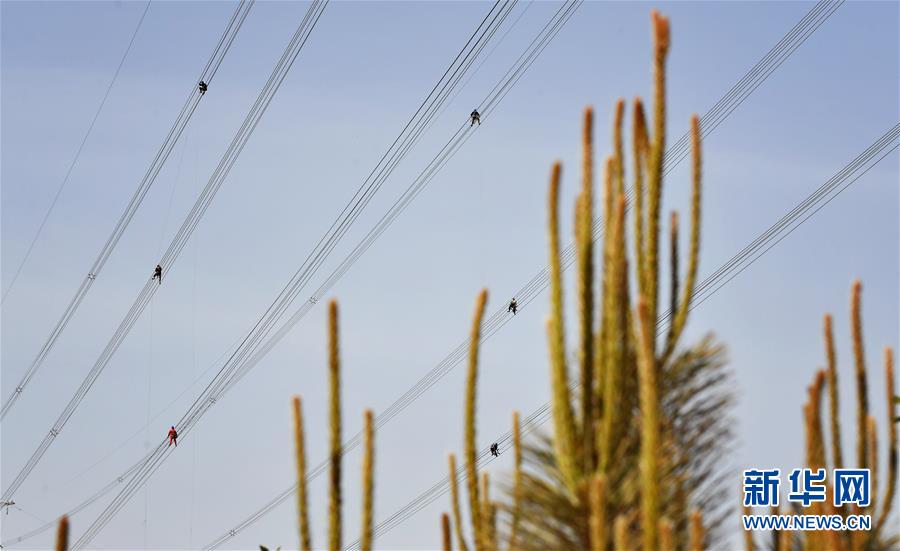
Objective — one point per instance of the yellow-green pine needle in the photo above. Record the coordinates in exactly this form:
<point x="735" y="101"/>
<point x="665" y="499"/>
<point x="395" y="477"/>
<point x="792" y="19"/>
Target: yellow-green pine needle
<point x="454" y="498"/>
<point x="654" y="173"/>
<point x="609" y="202"/>
<point x="617" y="338"/>
<point x="585" y="249"/>
<point x="815" y="439"/>
<point x="487" y="528"/>
<point x="517" y="483"/>
<point x="471" y="397"/>
<point x="858" y="538"/>
<point x="601" y="354"/>
<point x="698" y="533"/>
<point x="445" y="533"/>
<point x="649" y="407"/>
<point x="612" y="368"/>
<point x="564" y="424"/>
<point x="598" y="513"/>
<point x="872" y="447"/>
<point x="492" y="526"/>
<point x="776" y="534"/>
<point x="666" y="535"/>
<point x="617" y="145"/>
<point x="892" y="452"/>
<point x="368" y="481"/>
<point x="334" y="496"/>
<point x="862" y="392"/>
<point x="786" y="540"/>
<point x="694" y="253"/>
<point x="302" y="500"/>
<point x="641" y="146"/>
<point x="748" y="534"/>
<point x="673" y="269"/>
<point x="62" y="534"/>
<point x="622" y="536"/>
<point x="837" y="455"/>
<point x="833" y="539"/>
<point x="812" y="539"/>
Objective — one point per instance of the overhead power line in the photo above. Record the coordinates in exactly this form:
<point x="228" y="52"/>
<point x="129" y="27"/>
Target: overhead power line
<point x="451" y="147"/>
<point x="409" y="134"/>
<point x="711" y="120"/>
<point x="722" y="117"/>
<point x="182" y="236"/>
<point x="773" y="235"/>
<point x="733" y="98"/>
<point x="237" y="365"/>
<point x="65" y="180"/>
<point x="332" y="235"/>
<point x="184" y="116"/>
<point x="141" y="430"/>
<point x="440" y="488"/>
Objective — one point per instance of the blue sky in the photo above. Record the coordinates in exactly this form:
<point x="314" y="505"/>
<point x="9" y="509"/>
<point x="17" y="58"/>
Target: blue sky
<point x="408" y="301"/>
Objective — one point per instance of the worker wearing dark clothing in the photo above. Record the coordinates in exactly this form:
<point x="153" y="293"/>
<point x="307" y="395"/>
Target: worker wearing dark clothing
<point x="476" y="117"/>
<point x="202" y="86"/>
<point x="173" y="437"/>
<point x="513" y="307"/>
<point x="157" y="274"/>
<point x="495" y="449"/>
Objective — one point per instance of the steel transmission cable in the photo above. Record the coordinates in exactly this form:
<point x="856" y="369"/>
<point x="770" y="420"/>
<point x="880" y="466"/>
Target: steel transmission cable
<point x="758" y="74"/>
<point x="490" y="102"/>
<point x="75" y="510"/>
<point x="745" y="86"/>
<point x="184" y="116"/>
<point x="182" y="236"/>
<point x="773" y="59"/>
<point x="464" y="60"/>
<point x="439" y="489"/>
<point x="277" y="308"/>
<point x="183" y="392"/>
<point x="65" y="180"/>
<point x="189" y="420"/>
<point x="824" y="195"/>
<point x="273" y="314"/>
<point x="542" y="274"/>
<point x="445" y="154"/>
<point x="496" y="94"/>
<point x="840" y="182"/>
<point x="224" y="380"/>
<point x="530" y="286"/>
<point x="885" y="145"/>
<point x="424" y="177"/>
<point x="796" y="217"/>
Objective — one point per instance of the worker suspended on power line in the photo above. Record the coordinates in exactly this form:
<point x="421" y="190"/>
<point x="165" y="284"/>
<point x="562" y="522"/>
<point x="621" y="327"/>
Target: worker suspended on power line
<point x="157" y="274"/>
<point x="203" y="87"/>
<point x="173" y="436"/>
<point x="476" y="117"/>
<point x="513" y="306"/>
<point x="495" y="449"/>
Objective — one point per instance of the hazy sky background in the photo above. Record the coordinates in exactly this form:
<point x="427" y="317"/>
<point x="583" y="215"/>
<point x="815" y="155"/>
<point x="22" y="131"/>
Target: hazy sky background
<point x="408" y="302"/>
